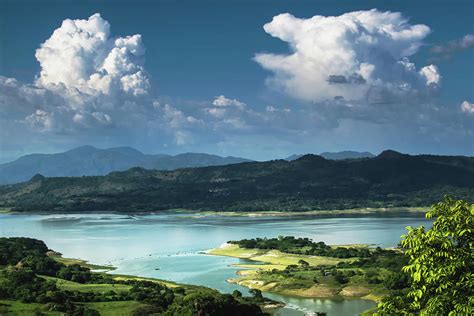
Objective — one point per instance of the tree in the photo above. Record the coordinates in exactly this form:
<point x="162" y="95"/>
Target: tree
<point x="256" y="293"/>
<point x="340" y="277"/>
<point x="397" y="281"/>
<point x="441" y="264"/>
<point x="237" y="294"/>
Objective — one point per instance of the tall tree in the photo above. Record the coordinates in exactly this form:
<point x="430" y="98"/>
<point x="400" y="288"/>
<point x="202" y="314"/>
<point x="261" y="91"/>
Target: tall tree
<point x="441" y="264"/>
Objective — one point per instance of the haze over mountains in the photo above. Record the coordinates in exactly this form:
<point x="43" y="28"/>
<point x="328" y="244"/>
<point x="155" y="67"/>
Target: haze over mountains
<point x="308" y="183"/>
<point x="91" y="161"/>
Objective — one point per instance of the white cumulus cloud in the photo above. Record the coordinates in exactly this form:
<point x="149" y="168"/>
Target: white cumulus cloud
<point x="347" y="55"/>
<point x="222" y="101"/>
<point x="82" y="55"/>
<point x="230" y="114"/>
<point x="467" y="107"/>
<point x="431" y="75"/>
<point x="93" y="88"/>
<point x="88" y="79"/>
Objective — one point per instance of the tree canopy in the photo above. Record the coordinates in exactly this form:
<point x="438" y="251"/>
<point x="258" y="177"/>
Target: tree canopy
<point x="441" y="264"/>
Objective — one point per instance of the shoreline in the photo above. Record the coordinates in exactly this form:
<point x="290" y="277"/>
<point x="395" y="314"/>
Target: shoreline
<point x="323" y="213"/>
<point x="83" y="263"/>
<point x="106" y="269"/>
<point x="203" y="214"/>
<point x="277" y="260"/>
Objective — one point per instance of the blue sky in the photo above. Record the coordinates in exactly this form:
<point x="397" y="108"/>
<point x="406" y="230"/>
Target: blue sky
<point x="205" y="90"/>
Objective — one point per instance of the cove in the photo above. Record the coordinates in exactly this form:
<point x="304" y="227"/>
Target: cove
<point x="169" y="246"/>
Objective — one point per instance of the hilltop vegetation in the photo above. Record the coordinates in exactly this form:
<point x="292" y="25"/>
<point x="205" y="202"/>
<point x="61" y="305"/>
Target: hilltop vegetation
<point x="33" y="283"/>
<point x="308" y="183"/>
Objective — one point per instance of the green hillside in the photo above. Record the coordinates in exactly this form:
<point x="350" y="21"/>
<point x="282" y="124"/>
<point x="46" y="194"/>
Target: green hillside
<point x="308" y="183"/>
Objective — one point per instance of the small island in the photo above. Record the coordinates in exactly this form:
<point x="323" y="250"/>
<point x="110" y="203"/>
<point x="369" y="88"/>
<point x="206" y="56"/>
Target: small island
<point x="304" y="268"/>
<point x="430" y="273"/>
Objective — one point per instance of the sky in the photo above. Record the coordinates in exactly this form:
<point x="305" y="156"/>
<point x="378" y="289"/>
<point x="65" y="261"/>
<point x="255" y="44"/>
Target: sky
<point x="256" y="79"/>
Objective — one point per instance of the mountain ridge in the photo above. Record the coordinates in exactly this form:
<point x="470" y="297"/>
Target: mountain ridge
<point x="308" y="183"/>
<point x="339" y="155"/>
<point x="88" y="161"/>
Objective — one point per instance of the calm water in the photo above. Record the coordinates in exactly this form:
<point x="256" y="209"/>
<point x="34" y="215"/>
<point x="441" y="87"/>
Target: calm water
<point x="168" y="246"/>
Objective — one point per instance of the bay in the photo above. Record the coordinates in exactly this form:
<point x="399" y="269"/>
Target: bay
<point x="169" y="246"/>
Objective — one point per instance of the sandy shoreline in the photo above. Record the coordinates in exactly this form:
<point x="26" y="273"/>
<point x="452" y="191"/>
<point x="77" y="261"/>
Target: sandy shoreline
<point x="244" y="276"/>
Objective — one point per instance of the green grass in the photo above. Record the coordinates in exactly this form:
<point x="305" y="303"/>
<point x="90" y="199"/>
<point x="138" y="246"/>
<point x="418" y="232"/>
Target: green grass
<point x="123" y="277"/>
<point x="122" y="308"/>
<point x="70" y="261"/>
<point x="8" y="307"/>
<point x="301" y="282"/>
<point x="96" y="288"/>
<point x="274" y="259"/>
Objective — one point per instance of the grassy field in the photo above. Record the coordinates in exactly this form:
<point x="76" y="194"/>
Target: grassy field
<point x="96" y="288"/>
<point x="118" y="308"/>
<point x="8" y="307"/>
<point x="274" y="259"/>
<point x="83" y="263"/>
<point x="124" y="308"/>
<point x="308" y="282"/>
<point x="123" y="277"/>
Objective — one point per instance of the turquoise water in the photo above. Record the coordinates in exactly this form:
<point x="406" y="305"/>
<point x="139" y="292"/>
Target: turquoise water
<point x="169" y="246"/>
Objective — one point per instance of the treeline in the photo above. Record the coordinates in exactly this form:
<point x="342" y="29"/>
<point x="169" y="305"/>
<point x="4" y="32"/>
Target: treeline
<point x="26" y="268"/>
<point x="302" y="246"/>
<point x="382" y="267"/>
<point x="308" y="183"/>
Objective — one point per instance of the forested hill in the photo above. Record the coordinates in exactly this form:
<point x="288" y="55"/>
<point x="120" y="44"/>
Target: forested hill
<point x="310" y="182"/>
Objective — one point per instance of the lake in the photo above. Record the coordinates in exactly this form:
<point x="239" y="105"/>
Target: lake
<point x="168" y="246"/>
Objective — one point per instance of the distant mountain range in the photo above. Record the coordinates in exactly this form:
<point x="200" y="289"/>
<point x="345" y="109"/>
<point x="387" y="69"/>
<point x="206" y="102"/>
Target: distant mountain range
<point x="308" y="183"/>
<point x="91" y="161"/>
<point x="340" y="155"/>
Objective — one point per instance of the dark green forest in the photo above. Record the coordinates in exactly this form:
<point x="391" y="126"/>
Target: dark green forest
<point x="303" y="246"/>
<point x="308" y="183"/>
<point x="29" y="275"/>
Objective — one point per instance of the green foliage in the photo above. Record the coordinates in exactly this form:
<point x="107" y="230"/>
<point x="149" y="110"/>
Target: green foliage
<point x="256" y="293"/>
<point x="23" y="284"/>
<point x="204" y="303"/>
<point x="380" y="258"/>
<point x="441" y="264"/>
<point x="237" y="294"/>
<point x="308" y="183"/>
<point x="74" y="273"/>
<point x="302" y="246"/>
<point x="340" y="277"/>
<point x="13" y="250"/>
<point x="25" y="258"/>
<point x="397" y="281"/>
<point x="372" y="276"/>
